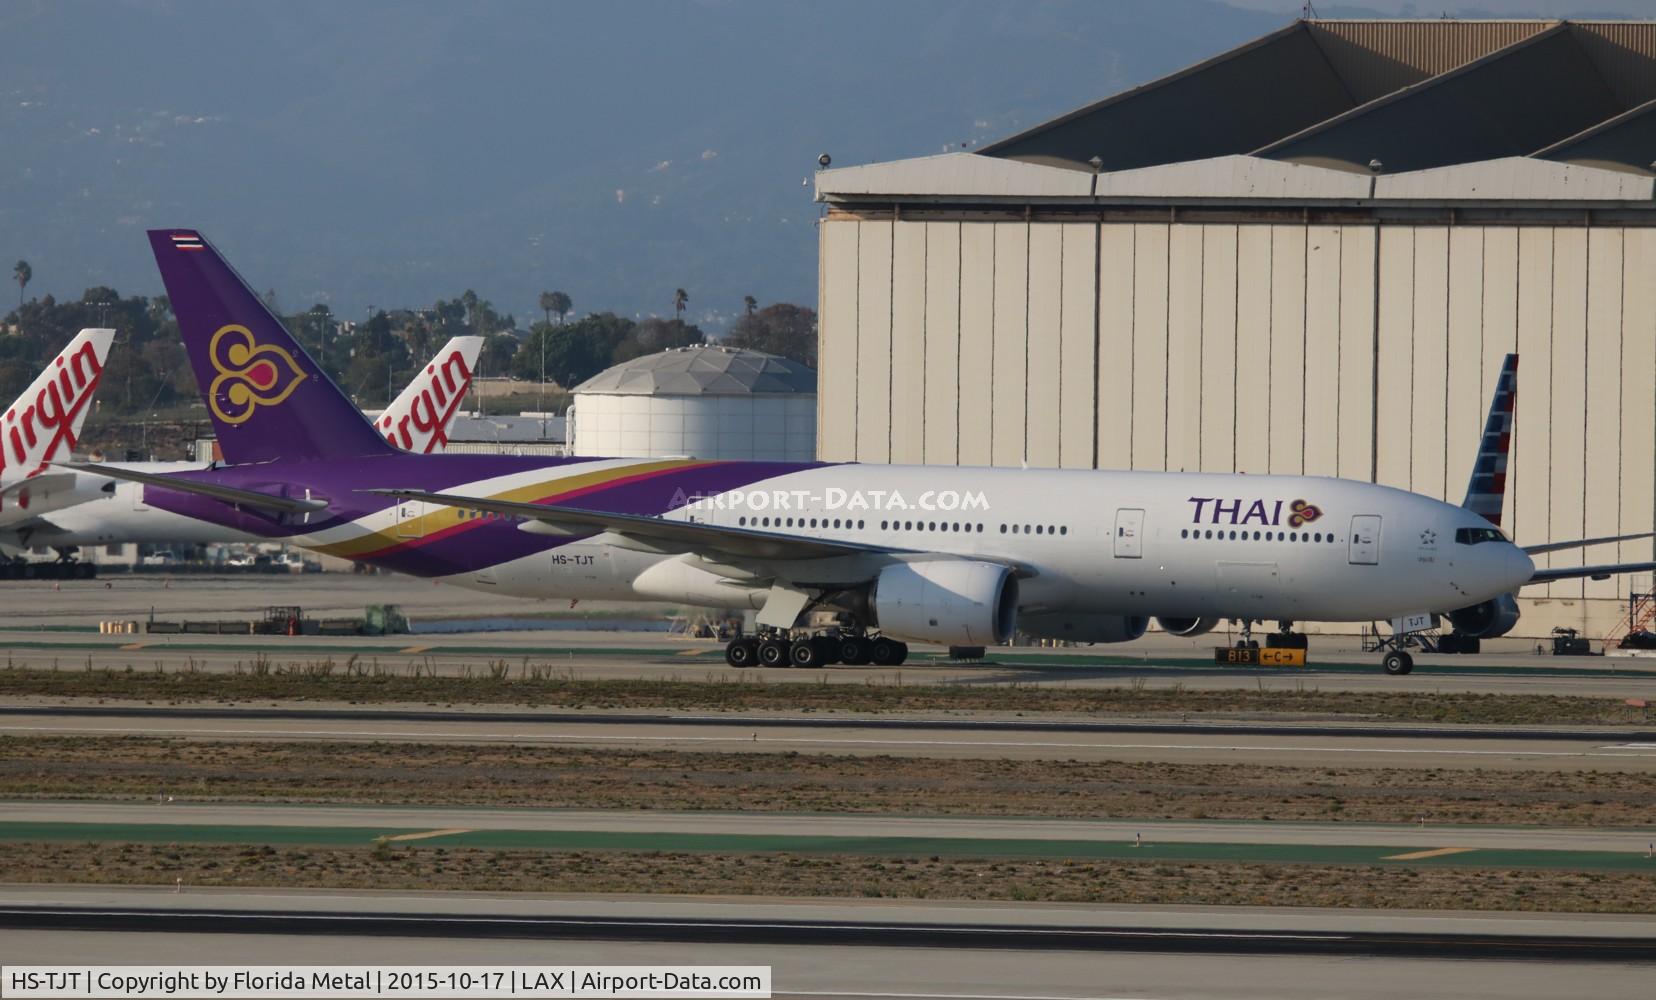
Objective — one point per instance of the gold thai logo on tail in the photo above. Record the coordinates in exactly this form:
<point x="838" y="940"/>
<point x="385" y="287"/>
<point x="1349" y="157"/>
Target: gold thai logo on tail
<point x="250" y="374"/>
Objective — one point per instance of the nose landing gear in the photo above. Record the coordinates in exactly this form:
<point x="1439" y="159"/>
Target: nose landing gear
<point x="1286" y="638"/>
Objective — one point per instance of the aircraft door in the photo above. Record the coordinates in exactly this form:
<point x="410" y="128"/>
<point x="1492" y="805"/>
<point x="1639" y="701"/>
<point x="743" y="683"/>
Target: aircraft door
<point x="1129" y="531"/>
<point x="1365" y="540"/>
<point x="411" y="519"/>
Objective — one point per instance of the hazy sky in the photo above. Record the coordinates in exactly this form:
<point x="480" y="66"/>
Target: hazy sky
<point x="390" y="153"/>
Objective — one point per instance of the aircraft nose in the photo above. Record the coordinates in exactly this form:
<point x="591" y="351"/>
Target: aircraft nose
<point x="1520" y="566"/>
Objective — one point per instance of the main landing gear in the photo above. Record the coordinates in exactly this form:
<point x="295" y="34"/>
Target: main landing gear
<point x="854" y="647"/>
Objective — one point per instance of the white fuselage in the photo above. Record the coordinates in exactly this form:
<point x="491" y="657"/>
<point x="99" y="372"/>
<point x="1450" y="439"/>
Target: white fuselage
<point x="1130" y="543"/>
<point x="103" y="511"/>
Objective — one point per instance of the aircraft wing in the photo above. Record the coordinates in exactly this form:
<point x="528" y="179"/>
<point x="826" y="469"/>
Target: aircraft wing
<point x="1581" y="543"/>
<point x="657" y="533"/>
<point x="228" y="494"/>
<point x="1600" y="572"/>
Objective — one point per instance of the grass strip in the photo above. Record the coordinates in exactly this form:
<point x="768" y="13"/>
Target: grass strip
<point x="540" y="776"/>
<point x="953" y="847"/>
<point x="1138" y="881"/>
<point x="533" y="686"/>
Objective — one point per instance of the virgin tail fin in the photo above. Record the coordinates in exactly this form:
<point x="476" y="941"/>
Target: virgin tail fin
<point x="420" y="418"/>
<point x="44" y="424"/>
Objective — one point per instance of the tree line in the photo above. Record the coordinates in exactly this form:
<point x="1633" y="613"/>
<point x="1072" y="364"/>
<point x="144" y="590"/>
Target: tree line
<point x="378" y="354"/>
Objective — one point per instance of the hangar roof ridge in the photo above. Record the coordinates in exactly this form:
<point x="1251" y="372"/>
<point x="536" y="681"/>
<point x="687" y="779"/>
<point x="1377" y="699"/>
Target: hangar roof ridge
<point x="1555" y="29"/>
<point x="1640" y="115"/>
<point x="1228" y="55"/>
<point x="1515" y="178"/>
<point x="1315" y="78"/>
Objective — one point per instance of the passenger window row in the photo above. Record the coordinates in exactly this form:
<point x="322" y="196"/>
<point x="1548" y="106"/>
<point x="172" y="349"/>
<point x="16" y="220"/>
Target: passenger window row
<point x="1257" y="536"/>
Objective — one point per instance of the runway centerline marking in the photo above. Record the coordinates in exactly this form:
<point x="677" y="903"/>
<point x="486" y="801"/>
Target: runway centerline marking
<point x="1418" y="855"/>
<point x="751" y="739"/>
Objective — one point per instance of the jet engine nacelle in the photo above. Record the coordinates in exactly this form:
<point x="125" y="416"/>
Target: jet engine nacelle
<point x="1086" y="628"/>
<point x="1187" y="627"/>
<point x="957" y="602"/>
<point x="1487" y="620"/>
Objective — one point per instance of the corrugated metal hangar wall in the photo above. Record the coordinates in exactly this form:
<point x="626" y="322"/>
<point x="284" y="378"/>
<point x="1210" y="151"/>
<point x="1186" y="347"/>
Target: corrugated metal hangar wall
<point x="1243" y="314"/>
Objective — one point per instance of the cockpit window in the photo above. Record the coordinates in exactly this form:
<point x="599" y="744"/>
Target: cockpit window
<point x="1472" y="536"/>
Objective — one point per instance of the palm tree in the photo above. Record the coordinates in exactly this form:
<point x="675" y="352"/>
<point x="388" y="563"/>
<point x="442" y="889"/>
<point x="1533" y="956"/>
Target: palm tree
<point x="22" y="274"/>
<point x="547" y="304"/>
<point x="561" y="304"/>
<point x="681" y="298"/>
<point x="750" y="304"/>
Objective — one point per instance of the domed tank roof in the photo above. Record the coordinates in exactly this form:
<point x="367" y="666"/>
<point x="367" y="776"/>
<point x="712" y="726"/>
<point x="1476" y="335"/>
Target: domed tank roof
<point x="703" y="370"/>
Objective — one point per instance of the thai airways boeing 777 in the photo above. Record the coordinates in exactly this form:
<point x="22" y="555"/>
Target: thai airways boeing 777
<point x="954" y="555"/>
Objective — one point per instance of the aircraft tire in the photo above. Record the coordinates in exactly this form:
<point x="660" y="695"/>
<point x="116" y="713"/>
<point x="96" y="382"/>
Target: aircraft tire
<point x="883" y="652"/>
<point x="774" y="653"/>
<point x="902" y="654"/>
<point x="742" y="653"/>
<point x="1397" y="663"/>
<point x="855" y="650"/>
<point x="806" y="654"/>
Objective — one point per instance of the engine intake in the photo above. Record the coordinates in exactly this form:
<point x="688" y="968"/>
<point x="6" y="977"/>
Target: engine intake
<point x="1086" y="628"/>
<point x="1187" y="627"/>
<point x="1487" y="620"/>
<point x="956" y="602"/>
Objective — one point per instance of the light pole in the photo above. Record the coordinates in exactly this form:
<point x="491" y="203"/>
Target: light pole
<point x="541" y="397"/>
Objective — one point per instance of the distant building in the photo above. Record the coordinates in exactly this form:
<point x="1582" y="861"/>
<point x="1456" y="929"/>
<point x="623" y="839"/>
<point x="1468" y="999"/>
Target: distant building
<point x="1305" y="255"/>
<point x="706" y="401"/>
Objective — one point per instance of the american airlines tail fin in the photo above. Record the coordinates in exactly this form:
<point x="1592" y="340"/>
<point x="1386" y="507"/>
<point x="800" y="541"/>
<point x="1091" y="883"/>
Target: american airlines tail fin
<point x="44" y="424"/>
<point x="1486" y="493"/>
<point x="419" y="419"/>
<point x="267" y="398"/>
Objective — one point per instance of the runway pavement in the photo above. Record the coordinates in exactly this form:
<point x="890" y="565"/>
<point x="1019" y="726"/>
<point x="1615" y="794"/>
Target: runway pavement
<point x="1077" y="739"/>
<point x="820" y="949"/>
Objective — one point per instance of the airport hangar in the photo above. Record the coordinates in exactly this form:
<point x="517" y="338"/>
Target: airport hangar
<point x="1305" y="255"/>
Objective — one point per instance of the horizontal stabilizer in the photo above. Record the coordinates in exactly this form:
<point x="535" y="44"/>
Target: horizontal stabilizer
<point x="677" y="536"/>
<point x="228" y="494"/>
<point x="1581" y="543"/>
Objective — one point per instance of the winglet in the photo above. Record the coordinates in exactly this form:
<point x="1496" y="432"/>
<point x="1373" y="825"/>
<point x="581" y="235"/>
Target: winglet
<point x="44" y="424"/>
<point x="1486" y="493"/>
<point x="419" y="419"/>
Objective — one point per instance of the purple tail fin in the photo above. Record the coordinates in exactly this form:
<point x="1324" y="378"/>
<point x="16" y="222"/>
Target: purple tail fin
<point x="267" y="398"/>
<point x="1486" y="493"/>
